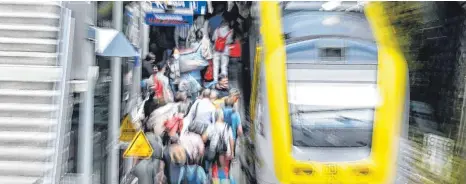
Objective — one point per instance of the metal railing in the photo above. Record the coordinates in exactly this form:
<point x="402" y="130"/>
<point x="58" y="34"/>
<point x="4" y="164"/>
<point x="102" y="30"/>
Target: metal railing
<point x="63" y="115"/>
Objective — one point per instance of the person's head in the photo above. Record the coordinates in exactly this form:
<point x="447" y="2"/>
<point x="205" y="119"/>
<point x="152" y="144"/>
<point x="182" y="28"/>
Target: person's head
<point x="206" y="93"/>
<point x="229" y="102"/>
<point x="178" y="154"/>
<point x="219" y="115"/>
<point x="234" y="94"/>
<point x="199" y="21"/>
<point x="181" y="111"/>
<point x="181" y="96"/>
<point x="199" y="34"/>
<point x="150" y="57"/>
<point x="161" y="67"/>
<point x="153" y="47"/>
<point x="225" y="21"/>
<point x="223" y="81"/>
<point x="174" y="139"/>
<point x="213" y="95"/>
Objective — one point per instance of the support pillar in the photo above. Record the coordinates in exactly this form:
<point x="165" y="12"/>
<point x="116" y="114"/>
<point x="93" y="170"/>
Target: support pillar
<point x="86" y="128"/>
<point x="115" y="103"/>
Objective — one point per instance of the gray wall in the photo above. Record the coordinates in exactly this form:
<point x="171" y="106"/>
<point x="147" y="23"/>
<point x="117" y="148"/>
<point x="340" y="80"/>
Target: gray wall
<point x="83" y="51"/>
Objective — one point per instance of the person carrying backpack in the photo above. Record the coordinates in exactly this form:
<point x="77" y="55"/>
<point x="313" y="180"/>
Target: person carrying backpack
<point x="222" y="38"/>
<point x="232" y="118"/>
<point x="201" y="114"/>
<point x="174" y="158"/>
<point x="173" y="127"/>
<point x="160" y="84"/>
<point x="192" y="173"/>
<point x="220" y="147"/>
<point x="148" y="171"/>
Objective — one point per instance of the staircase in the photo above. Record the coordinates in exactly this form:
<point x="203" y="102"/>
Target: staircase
<point x="33" y="91"/>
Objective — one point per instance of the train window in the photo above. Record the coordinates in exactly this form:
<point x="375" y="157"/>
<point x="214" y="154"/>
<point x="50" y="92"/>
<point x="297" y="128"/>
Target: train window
<point x="336" y="50"/>
<point x="331" y="54"/>
<point x="331" y="103"/>
<point x="331" y="115"/>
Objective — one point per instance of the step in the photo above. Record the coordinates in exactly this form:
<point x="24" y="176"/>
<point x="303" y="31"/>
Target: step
<point x="27" y="96"/>
<point x="25" y="153"/>
<point x="26" y="124"/>
<point x="24" y="2"/>
<point x="18" y="179"/>
<point x="45" y="93"/>
<point x="28" y="58"/>
<point x="28" y="110"/>
<point x="42" y="18"/>
<point x="32" y="139"/>
<point x="20" y="6"/>
<point x="31" y="31"/>
<point x="24" y="85"/>
<point x="28" y="73"/>
<point x="28" y="44"/>
<point x="18" y="138"/>
<point x="20" y="168"/>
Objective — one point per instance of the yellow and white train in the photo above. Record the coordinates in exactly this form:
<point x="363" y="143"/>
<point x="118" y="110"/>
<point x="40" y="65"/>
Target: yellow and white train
<point x="330" y="94"/>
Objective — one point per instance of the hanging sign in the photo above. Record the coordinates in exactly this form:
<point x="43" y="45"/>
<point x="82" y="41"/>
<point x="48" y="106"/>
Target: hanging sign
<point x="127" y="131"/>
<point x="139" y="147"/>
<point x="198" y="7"/>
<point x="167" y="19"/>
<point x="176" y="4"/>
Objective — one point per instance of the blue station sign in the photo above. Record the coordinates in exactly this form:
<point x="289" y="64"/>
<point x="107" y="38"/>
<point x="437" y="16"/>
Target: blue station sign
<point x="167" y="19"/>
<point x="198" y="7"/>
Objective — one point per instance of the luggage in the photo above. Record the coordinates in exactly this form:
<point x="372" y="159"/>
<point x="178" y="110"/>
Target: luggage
<point x="221" y="42"/>
<point x="235" y="49"/>
<point x="192" y="65"/>
<point x="192" y="59"/>
<point x="209" y="74"/>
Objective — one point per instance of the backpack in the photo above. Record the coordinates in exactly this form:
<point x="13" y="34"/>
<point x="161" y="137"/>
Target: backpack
<point x="158" y="88"/>
<point x="186" y="180"/>
<point x="220" y="42"/>
<point x="222" y="146"/>
<point x="235" y="49"/>
<point x="173" y="123"/>
<point x="209" y="74"/>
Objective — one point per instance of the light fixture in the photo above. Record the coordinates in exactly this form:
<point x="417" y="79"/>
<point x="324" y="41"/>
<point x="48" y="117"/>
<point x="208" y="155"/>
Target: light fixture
<point x="330" y="5"/>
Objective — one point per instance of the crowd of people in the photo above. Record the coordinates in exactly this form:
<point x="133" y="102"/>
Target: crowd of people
<point x="190" y="113"/>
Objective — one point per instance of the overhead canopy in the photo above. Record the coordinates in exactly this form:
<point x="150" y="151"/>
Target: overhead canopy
<point x="113" y="43"/>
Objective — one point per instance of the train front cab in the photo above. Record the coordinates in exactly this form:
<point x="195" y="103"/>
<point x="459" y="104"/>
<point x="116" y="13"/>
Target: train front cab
<point x="278" y="158"/>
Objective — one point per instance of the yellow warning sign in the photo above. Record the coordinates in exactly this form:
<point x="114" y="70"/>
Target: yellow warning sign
<point x="127" y="131"/>
<point x="139" y="147"/>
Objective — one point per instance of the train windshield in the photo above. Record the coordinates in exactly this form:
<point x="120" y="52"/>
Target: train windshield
<point x="332" y="78"/>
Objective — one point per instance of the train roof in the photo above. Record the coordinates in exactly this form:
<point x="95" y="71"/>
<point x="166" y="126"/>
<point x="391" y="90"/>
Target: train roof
<point x="348" y="6"/>
<point x="304" y="19"/>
